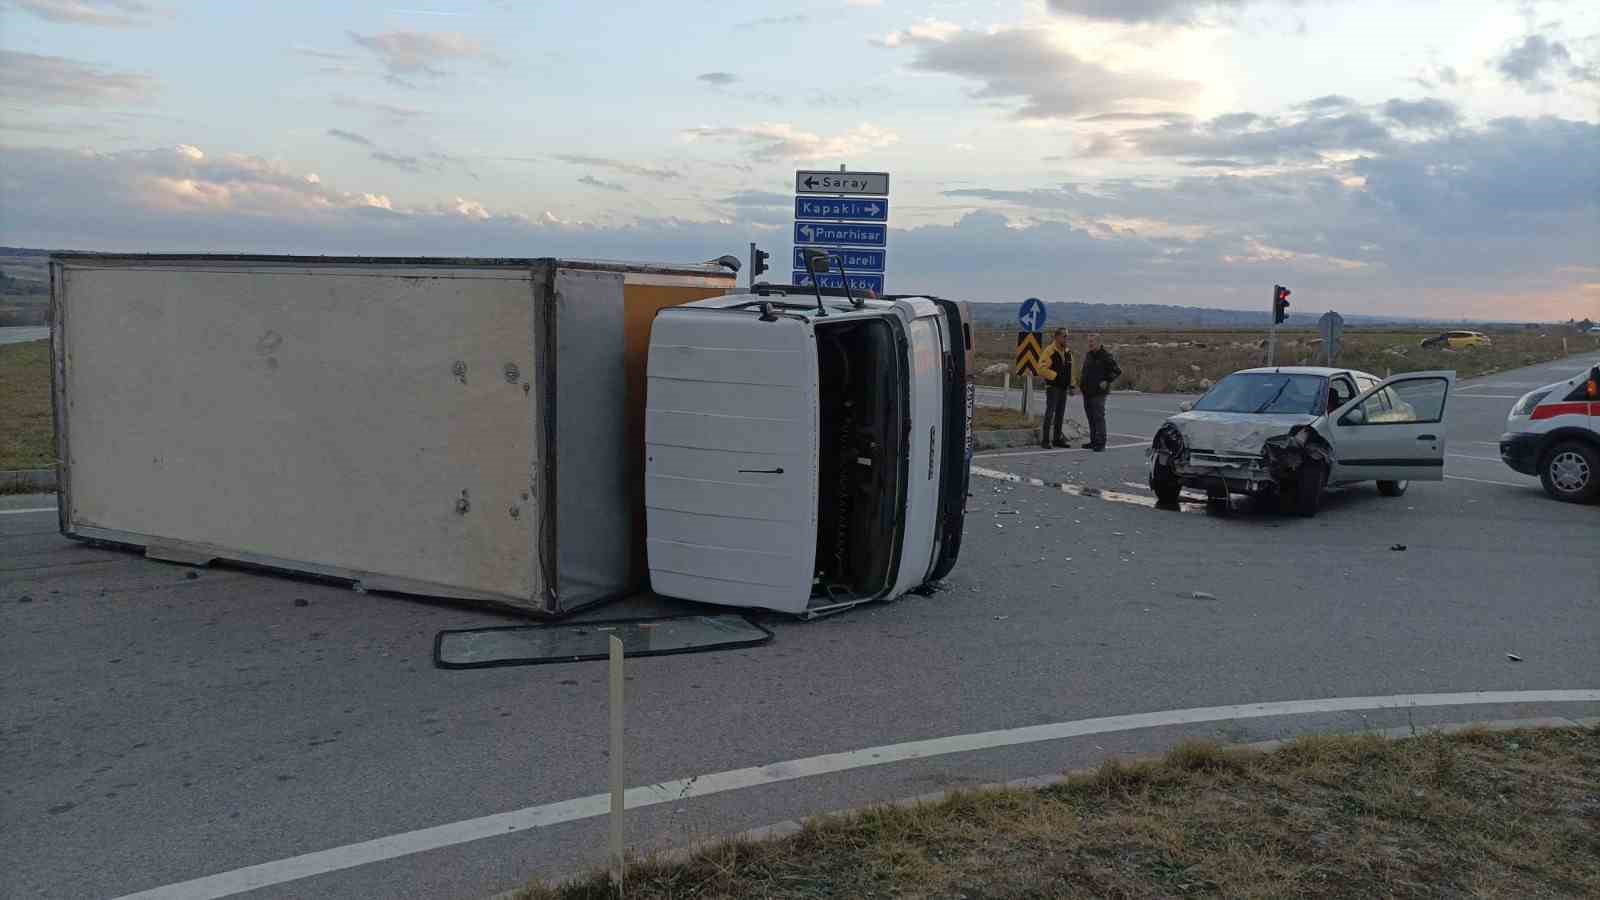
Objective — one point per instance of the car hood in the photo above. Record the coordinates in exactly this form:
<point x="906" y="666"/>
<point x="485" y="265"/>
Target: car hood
<point x="1228" y="432"/>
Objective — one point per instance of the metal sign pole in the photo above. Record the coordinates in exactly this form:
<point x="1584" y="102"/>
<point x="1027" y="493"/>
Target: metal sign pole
<point x="1272" y="343"/>
<point x="1027" y="393"/>
<point x="618" y="771"/>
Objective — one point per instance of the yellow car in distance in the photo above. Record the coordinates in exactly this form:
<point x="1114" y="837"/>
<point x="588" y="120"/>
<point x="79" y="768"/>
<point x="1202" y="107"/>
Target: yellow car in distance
<point x="1458" y="340"/>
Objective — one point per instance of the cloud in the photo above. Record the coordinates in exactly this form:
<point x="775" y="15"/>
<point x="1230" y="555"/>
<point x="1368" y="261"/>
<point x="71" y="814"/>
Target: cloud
<point x="772" y="21"/>
<point x="718" y="79"/>
<point x="387" y="110"/>
<point x="759" y="198"/>
<point x="1432" y="76"/>
<point x="1533" y="63"/>
<point x="406" y="53"/>
<point x="1448" y="226"/>
<point x="1329" y="103"/>
<point x="1136" y="117"/>
<point x="1138" y="11"/>
<point x="314" y="53"/>
<point x="1251" y="137"/>
<point x="775" y="141"/>
<point x="112" y="13"/>
<point x="592" y="181"/>
<point x="350" y="136"/>
<point x="401" y="161"/>
<point x="1028" y="67"/>
<point x="35" y="80"/>
<point x="617" y="165"/>
<point x="927" y="31"/>
<point x="1427" y="113"/>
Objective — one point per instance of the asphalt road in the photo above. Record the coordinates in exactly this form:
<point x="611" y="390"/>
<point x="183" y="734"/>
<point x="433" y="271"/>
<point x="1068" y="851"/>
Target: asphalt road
<point x="158" y="728"/>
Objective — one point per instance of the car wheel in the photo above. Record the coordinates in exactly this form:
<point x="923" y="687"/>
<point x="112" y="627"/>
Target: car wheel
<point x="1308" y="490"/>
<point x="1393" y="488"/>
<point x="1166" y="485"/>
<point x="1571" y="472"/>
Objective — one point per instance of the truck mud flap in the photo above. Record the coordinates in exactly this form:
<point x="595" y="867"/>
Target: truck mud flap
<point x="532" y="645"/>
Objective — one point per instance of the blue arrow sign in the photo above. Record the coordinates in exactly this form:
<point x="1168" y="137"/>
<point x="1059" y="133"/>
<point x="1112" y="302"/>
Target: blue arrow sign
<point x="1031" y="314"/>
<point x="865" y="210"/>
<point x="854" y="260"/>
<point x="828" y="233"/>
<point x="858" y="283"/>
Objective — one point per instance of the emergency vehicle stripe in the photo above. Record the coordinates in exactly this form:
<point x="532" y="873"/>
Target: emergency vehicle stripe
<point x="1551" y="410"/>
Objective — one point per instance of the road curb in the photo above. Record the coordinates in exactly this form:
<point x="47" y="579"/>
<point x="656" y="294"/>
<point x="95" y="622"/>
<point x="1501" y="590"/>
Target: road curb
<point x="789" y="827"/>
<point x="28" y="481"/>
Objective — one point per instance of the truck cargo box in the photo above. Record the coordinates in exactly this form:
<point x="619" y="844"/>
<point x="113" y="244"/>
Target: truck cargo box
<point x="464" y="428"/>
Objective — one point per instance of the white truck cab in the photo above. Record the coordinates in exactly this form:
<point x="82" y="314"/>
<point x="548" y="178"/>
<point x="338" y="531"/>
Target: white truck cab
<point x="1554" y="433"/>
<point x="806" y="451"/>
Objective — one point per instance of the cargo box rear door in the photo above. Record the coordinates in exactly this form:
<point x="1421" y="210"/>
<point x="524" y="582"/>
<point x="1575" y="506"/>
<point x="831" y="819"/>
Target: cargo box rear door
<point x="731" y="458"/>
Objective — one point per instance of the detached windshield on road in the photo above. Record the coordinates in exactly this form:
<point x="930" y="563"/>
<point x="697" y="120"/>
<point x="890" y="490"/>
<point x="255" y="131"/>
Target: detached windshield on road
<point x="1266" y="393"/>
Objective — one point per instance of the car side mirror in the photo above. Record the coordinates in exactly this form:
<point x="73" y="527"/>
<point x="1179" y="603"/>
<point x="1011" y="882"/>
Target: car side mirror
<point x="1185" y="406"/>
<point x="1357" y="416"/>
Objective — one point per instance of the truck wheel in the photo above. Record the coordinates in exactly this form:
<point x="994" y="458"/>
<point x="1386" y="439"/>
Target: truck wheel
<point x="1393" y="488"/>
<point x="1165" y="483"/>
<point x="1571" y="472"/>
<point x="1308" y="490"/>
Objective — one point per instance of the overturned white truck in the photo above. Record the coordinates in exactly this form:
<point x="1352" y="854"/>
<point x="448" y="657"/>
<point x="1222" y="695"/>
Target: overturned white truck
<point x="543" y="434"/>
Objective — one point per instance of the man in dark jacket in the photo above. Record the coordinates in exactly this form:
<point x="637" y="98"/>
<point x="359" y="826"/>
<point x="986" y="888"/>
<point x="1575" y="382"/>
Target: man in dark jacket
<point x="1100" y="372"/>
<point x="1058" y="383"/>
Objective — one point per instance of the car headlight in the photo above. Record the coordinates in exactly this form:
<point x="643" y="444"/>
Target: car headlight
<point x="1525" y="406"/>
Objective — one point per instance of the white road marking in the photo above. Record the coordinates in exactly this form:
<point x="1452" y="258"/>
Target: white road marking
<point x="1076" y="490"/>
<point x="1486" y="481"/>
<point x="22" y="512"/>
<point x="237" y="881"/>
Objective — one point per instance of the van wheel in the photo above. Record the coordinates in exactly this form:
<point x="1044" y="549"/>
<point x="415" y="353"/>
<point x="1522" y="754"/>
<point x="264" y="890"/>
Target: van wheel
<point x="1571" y="472"/>
<point x="1393" y="488"/>
<point x="1165" y="483"/>
<point x="1308" y="489"/>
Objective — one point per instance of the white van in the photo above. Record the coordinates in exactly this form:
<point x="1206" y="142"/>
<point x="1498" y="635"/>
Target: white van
<point x="806" y="451"/>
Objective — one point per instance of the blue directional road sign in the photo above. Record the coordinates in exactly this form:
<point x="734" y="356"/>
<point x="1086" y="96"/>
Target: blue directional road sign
<point x="830" y="233"/>
<point x="854" y="260"/>
<point x="873" y="283"/>
<point x="862" y="210"/>
<point x="1031" y="314"/>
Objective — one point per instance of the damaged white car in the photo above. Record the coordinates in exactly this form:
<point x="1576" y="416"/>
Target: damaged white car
<point x="1287" y="433"/>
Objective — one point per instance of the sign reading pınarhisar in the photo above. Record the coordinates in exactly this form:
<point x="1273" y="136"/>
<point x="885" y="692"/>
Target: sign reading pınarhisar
<point x="867" y="184"/>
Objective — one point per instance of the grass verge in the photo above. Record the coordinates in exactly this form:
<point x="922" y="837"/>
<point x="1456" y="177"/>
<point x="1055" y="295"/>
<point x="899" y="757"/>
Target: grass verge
<point x="1473" y="814"/>
<point x="1185" y="361"/>
<point x="989" y="418"/>
<point x="27" y="434"/>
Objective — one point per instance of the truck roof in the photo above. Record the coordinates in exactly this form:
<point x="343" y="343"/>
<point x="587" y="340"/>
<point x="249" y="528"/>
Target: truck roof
<point x="82" y="257"/>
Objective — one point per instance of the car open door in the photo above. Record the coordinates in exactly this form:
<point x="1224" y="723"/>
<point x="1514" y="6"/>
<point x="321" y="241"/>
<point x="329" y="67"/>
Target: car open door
<point x="1393" y="432"/>
<point x="731" y="424"/>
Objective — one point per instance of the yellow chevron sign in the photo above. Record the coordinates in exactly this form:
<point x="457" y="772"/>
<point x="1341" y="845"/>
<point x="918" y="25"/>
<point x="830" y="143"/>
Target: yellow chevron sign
<point x="1030" y="353"/>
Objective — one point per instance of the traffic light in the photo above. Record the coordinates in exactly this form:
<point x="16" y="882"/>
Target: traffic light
<point x="1280" y="304"/>
<point x="758" y="261"/>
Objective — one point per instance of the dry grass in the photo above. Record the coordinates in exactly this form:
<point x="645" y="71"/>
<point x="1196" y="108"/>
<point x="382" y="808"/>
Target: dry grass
<point x="27" y="434"/>
<point x="1477" y="814"/>
<point x="989" y="418"/>
<point x="1179" y="362"/>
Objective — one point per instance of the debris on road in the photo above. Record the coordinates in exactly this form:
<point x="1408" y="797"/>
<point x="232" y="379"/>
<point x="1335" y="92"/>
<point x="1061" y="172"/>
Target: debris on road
<point x="1001" y="618"/>
<point x="1513" y="657"/>
<point x="192" y="576"/>
<point x="1197" y="595"/>
<point x="1398" y="547"/>
<point x="301" y="601"/>
<point x="25" y="599"/>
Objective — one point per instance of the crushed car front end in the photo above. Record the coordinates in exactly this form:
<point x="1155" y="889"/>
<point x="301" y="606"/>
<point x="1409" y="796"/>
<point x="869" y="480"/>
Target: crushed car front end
<point x="1226" y="453"/>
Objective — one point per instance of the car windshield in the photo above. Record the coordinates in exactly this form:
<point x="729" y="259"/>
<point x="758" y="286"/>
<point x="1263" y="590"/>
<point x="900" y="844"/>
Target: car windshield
<point x="1266" y="393"/>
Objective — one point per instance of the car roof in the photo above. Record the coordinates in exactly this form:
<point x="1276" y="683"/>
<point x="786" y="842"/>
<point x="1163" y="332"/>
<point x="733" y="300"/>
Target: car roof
<point x="1323" y="371"/>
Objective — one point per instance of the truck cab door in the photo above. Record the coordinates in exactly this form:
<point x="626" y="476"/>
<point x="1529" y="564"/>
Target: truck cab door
<point x="1393" y="432"/>
<point x="731" y="455"/>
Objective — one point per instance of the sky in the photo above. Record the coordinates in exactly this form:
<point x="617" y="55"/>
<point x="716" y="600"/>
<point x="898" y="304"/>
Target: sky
<point x="1435" y="158"/>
